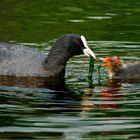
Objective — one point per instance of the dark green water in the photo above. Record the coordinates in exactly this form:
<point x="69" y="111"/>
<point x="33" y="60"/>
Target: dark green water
<point x="109" y="111"/>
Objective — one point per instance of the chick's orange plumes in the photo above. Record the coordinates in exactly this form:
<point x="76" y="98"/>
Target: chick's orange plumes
<point x="111" y="62"/>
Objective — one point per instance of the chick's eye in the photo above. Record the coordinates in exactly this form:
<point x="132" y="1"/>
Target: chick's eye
<point x="111" y="60"/>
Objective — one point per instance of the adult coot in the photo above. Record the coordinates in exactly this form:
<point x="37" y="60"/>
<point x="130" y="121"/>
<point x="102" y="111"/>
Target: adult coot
<point x="18" y="60"/>
<point x="118" y="70"/>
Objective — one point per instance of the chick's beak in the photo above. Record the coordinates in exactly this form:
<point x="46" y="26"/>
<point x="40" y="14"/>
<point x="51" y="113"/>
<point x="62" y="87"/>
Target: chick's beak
<point x="87" y="51"/>
<point x="104" y="60"/>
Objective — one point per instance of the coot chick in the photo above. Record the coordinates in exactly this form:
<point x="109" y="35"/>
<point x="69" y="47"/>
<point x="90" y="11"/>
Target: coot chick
<point x="118" y="70"/>
<point x="18" y="60"/>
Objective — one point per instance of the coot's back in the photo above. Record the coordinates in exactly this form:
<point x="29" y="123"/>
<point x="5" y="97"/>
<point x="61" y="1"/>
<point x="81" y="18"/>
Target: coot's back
<point x="19" y="60"/>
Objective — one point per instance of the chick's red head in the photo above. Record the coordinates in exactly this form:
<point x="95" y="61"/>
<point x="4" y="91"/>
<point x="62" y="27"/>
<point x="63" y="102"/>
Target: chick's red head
<point x="112" y="62"/>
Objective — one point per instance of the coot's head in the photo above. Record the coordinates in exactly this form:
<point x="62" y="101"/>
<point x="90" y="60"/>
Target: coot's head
<point x="69" y="45"/>
<point x="62" y="50"/>
<point x="112" y="63"/>
<point x="79" y="46"/>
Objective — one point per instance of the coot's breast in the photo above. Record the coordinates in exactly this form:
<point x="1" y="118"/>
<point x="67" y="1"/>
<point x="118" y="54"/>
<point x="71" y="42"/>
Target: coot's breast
<point x="21" y="61"/>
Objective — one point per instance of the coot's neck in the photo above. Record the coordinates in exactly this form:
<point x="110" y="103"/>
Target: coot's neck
<point x="55" y="63"/>
<point x="61" y="51"/>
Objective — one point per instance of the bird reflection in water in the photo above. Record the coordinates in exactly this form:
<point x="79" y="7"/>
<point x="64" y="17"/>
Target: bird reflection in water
<point x="108" y="95"/>
<point x="33" y="82"/>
